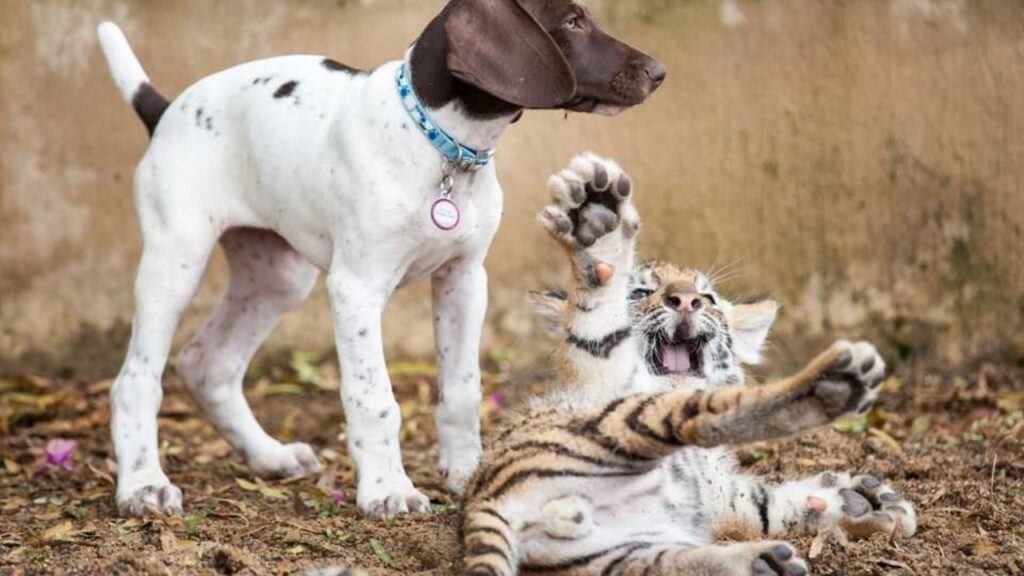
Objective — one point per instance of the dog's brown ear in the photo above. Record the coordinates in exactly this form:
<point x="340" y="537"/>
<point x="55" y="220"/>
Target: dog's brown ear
<point x="497" y="46"/>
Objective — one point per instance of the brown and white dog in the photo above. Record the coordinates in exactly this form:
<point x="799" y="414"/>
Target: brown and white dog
<point x="298" y="165"/>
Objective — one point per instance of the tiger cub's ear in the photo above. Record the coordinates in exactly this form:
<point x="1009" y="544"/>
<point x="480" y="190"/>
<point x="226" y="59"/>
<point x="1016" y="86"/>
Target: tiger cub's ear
<point x="750" y="325"/>
<point x="548" y="307"/>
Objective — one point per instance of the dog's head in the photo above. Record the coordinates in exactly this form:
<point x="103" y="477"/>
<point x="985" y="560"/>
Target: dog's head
<point x="545" y="54"/>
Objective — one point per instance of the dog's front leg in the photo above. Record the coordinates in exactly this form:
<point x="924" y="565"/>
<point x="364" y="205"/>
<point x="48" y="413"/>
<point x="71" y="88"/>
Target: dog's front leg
<point x="460" y="304"/>
<point x="372" y="414"/>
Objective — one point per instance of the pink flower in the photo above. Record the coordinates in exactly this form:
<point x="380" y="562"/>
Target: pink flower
<point x="59" y="453"/>
<point x="498" y="398"/>
<point x="337" y="496"/>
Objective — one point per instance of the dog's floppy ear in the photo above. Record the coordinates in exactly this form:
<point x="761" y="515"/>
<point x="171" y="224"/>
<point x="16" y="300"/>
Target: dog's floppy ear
<point x="497" y="46"/>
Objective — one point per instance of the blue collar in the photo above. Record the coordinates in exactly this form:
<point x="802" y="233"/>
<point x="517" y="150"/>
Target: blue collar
<point x="461" y="156"/>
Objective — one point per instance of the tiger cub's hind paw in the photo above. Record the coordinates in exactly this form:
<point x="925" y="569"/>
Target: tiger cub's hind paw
<point x="871" y="506"/>
<point x="763" y="558"/>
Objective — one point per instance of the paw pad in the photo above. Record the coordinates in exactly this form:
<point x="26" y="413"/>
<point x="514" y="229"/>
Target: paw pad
<point x="591" y="201"/>
<point x="778" y="560"/>
<point x="871" y="506"/>
<point x="851" y="382"/>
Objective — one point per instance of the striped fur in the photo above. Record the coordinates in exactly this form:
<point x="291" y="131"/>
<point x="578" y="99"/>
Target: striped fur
<point x="625" y="469"/>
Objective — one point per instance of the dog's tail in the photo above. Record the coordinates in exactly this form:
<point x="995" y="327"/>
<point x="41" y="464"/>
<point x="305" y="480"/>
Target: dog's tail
<point x="129" y="76"/>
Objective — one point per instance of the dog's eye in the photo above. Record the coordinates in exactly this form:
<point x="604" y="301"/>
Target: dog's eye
<point x="640" y="293"/>
<point x="711" y="298"/>
<point x="573" y="22"/>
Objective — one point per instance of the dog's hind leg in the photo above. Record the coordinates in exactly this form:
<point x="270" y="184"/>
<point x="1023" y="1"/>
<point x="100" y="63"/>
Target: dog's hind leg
<point x="268" y="279"/>
<point x="173" y="262"/>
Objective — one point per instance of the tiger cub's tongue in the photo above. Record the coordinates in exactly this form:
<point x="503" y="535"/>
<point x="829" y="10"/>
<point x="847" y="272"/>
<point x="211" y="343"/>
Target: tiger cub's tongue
<point x="675" y="358"/>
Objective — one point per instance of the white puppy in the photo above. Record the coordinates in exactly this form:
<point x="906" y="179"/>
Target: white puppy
<point x="300" y="164"/>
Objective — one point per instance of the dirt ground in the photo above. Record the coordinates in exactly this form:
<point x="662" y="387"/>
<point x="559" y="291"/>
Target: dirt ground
<point x="953" y="445"/>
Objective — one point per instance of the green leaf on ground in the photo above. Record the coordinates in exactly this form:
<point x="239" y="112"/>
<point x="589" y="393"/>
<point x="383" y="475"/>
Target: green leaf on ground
<point x="444" y="508"/>
<point x="921" y="425"/>
<point x="192" y="522"/>
<point x="381" y="552"/>
<point x="854" y="425"/>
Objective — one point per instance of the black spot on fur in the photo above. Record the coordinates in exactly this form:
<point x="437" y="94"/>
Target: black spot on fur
<point x="149" y="105"/>
<point x="335" y="66"/>
<point x="286" y="89"/>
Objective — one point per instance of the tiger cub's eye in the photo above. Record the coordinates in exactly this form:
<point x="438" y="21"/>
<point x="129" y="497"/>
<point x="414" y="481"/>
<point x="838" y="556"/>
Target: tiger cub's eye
<point x="640" y="293"/>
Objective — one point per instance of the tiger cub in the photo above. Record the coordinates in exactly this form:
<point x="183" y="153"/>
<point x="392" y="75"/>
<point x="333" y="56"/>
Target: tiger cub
<point x="624" y="470"/>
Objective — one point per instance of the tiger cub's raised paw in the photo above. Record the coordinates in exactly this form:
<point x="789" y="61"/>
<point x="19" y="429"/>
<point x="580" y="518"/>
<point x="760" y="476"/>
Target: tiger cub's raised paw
<point x="849" y="378"/>
<point x="593" y="210"/>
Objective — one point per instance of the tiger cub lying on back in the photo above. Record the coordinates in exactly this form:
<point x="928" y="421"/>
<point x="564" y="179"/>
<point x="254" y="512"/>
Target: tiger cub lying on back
<point x="624" y="470"/>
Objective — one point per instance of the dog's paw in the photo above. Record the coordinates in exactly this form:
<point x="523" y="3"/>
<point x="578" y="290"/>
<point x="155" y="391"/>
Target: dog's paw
<point x="385" y="499"/>
<point x="456" y="467"/>
<point x="151" y="500"/>
<point x="285" y="461"/>
<point x="850" y="379"/>
<point x="592" y="199"/>
<point x="871" y="506"/>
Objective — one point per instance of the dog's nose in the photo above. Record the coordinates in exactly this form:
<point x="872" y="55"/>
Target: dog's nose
<point x="655" y="71"/>
<point x="683" y="302"/>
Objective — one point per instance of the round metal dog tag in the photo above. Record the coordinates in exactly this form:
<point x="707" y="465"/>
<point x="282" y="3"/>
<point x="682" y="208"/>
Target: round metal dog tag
<point x="445" y="214"/>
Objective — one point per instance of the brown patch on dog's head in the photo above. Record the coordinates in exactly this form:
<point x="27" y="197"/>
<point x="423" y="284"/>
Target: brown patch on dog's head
<point x="502" y="55"/>
<point x="610" y="75"/>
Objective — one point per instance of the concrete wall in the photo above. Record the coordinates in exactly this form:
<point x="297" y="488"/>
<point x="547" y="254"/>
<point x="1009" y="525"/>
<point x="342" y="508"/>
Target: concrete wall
<point x="861" y="161"/>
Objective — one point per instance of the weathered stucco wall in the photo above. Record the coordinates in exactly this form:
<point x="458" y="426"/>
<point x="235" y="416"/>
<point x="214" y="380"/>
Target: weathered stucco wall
<point x="860" y="161"/>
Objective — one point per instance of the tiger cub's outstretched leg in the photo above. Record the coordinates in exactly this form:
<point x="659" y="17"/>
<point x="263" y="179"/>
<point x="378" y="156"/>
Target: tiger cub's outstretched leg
<point x="594" y="220"/>
<point x="845" y="379"/>
<point x="862" y="505"/>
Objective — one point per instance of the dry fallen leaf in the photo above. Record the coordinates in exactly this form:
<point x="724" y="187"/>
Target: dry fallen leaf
<point x="168" y="541"/>
<point x="830" y="534"/>
<point x="886" y="440"/>
<point x="62" y="532"/>
<point x="1011" y="402"/>
<point x="984" y="547"/>
<point x="274" y="493"/>
<point x="246" y="485"/>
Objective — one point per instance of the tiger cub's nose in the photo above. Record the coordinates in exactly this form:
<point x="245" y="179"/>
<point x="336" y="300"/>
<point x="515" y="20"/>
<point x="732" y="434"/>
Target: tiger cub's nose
<point x="683" y="301"/>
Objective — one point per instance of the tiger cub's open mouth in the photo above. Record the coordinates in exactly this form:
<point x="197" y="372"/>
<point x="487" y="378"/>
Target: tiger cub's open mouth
<point x="679" y="356"/>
